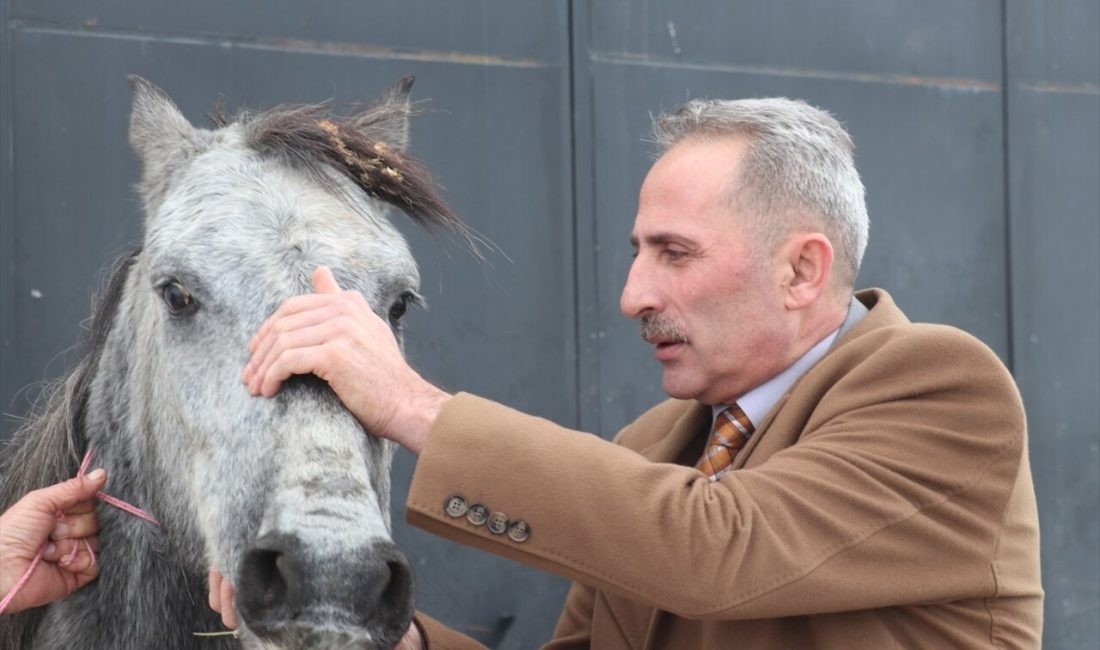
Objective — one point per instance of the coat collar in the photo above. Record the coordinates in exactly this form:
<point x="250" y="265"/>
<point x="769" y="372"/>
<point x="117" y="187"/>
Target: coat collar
<point x="878" y="311"/>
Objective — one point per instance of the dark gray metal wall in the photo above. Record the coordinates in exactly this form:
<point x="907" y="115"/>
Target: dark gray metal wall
<point x="978" y="132"/>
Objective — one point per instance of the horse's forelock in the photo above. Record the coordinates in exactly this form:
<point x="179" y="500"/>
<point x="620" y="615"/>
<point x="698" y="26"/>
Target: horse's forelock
<point x="313" y="137"/>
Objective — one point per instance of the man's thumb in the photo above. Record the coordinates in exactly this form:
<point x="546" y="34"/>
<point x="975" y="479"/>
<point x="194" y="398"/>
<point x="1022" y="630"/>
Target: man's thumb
<point x="68" y="493"/>
<point x="324" y="281"/>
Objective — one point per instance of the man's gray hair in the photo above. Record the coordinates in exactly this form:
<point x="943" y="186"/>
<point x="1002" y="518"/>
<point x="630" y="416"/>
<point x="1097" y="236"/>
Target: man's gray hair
<point x="799" y="171"/>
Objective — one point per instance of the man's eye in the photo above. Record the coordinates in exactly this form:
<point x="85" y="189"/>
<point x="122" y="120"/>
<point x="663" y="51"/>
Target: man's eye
<point x="673" y="254"/>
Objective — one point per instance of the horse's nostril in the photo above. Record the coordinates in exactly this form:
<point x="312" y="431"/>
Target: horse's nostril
<point x="400" y="586"/>
<point x="389" y="603"/>
<point x="284" y="588"/>
<point x="388" y="586"/>
<point x="268" y="568"/>
<point x="264" y="584"/>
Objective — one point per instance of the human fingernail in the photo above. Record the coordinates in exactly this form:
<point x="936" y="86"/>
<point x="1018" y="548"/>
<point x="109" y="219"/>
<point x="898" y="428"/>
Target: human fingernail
<point x="61" y="529"/>
<point x="97" y="474"/>
<point x="51" y="548"/>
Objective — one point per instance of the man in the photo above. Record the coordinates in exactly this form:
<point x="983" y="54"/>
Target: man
<point x="866" y="483"/>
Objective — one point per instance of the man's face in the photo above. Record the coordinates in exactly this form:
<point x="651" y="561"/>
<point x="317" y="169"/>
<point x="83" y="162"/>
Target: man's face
<point x="716" y="318"/>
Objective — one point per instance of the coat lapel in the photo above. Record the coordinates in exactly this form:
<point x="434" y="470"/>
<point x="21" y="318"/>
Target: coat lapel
<point x="693" y="423"/>
<point x="858" y="312"/>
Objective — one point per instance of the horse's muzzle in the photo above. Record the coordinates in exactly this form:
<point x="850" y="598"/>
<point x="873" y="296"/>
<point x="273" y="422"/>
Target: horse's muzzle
<point x="294" y="598"/>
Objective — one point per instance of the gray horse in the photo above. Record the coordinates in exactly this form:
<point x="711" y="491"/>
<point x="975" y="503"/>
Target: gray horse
<point x="287" y="496"/>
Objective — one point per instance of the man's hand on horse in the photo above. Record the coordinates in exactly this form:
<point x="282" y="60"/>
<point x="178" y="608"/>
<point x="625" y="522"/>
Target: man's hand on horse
<point x="62" y="517"/>
<point x="222" y="597"/>
<point x="335" y="335"/>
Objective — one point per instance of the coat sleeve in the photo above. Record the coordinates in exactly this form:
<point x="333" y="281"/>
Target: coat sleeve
<point x="437" y="636"/>
<point x="893" y="494"/>
<point x="574" y="629"/>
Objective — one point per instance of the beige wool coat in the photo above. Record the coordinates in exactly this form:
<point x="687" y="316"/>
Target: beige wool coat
<point x="885" y="502"/>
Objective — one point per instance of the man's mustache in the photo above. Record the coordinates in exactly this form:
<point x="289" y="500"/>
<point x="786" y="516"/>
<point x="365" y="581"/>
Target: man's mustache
<point x="656" y="328"/>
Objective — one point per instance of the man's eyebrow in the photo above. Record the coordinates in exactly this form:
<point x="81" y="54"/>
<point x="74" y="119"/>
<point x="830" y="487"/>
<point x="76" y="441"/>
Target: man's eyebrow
<point x="661" y="238"/>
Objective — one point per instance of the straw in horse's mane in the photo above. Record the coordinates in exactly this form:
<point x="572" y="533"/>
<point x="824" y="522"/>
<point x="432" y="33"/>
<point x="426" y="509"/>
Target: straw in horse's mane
<point x="314" y="138"/>
<point x="309" y="135"/>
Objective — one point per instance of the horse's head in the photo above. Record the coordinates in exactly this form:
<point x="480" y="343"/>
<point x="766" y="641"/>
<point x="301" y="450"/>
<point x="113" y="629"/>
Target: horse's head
<point x="289" y="496"/>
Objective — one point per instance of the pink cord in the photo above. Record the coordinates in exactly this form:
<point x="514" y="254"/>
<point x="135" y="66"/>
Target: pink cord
<point x="118" y="503"/>
<point x="23" y="580"/>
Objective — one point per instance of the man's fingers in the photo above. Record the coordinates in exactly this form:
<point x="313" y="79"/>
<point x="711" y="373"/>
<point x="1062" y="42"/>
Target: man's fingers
<point x="72" y="526"/>
<point x="81" y="508"/>
<point x="412" y="639"/>
<point x="287" y="335"/>
<point x="292" y="306"/>
<point x="83" y="577"/>
<point x="221" y="596"/>
<point x="324" y="285"/>
<point x="72" y="555"/>
<point x="299" y="361"/>
<point x="58" y="549"/>
<point x="214" y="591"/>
<point x="324" y="281"/>
<point x="67" y="494"/>
<point x="79" y="560"/>
<point x="229" y="608"/>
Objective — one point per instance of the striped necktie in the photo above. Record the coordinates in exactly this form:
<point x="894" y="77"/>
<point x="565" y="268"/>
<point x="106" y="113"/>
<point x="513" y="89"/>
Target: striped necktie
<point x="732" y="430"/>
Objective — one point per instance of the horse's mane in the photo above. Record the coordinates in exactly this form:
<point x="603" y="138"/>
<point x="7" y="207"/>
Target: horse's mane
<point x="48" y="447"/>
<point x="313" y="138"/>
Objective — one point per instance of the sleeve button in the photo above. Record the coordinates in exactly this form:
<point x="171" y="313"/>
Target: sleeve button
<point x="477" y="515"/>
<point x="498" y="523"/>
<point x="455" y="506"/>
<point x="519" y="531"/>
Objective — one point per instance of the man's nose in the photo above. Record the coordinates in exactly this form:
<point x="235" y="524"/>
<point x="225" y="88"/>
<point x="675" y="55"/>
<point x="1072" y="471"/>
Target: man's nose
<point x="638" y="294"/>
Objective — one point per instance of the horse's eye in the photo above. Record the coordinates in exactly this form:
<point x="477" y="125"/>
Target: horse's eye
<point x="399" y="307"/>
<point x="178" y="299"/>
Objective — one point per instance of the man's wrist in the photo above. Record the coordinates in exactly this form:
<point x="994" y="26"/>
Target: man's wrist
<point x="421" y="640"/>
<point x="426" y="408"/>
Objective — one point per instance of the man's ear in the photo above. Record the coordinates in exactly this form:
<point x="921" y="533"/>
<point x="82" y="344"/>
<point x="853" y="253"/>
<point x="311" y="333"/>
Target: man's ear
<point x="807" y="268"/>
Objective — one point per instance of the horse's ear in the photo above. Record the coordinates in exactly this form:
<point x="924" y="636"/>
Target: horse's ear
<point x="387" y="119"/>
<point x="161" y="136"/>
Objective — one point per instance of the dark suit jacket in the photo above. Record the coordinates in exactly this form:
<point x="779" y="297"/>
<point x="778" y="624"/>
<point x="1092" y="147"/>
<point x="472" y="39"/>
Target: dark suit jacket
<point x="885" y="502"/>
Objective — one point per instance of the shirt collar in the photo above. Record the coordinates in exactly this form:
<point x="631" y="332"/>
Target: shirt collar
<point x="757" y="402"/>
